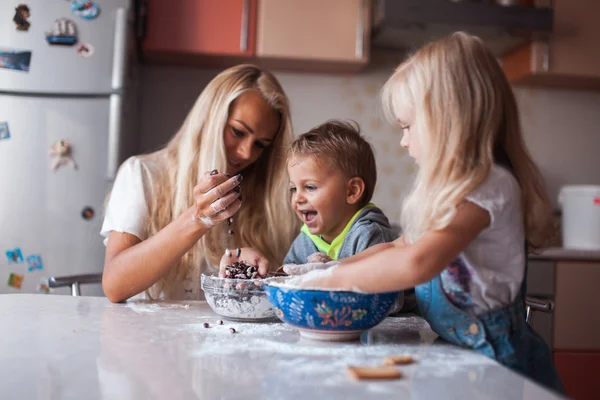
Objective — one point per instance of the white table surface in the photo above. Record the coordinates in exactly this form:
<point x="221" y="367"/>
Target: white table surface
<point x="61" y="347"/>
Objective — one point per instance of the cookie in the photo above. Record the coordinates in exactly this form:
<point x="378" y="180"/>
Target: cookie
<point x="398" y="360"/>
<point x="380" y="372"/>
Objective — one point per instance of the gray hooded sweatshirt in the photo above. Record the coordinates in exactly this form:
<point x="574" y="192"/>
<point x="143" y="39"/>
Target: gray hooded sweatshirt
<point x="368" y="227"/>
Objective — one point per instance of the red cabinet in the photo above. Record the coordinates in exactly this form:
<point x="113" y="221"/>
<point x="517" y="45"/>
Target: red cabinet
<point x="579" y="373"/>
<point x="207" y="27"/>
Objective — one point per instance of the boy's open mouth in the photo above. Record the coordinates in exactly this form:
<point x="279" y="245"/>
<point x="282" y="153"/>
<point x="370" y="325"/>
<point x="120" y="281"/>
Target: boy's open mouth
<point x="309" y="216"/>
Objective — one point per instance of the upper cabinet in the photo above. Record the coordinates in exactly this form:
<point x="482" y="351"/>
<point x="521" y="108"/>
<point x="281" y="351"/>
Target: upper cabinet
<point x="315" y="35"/>
<point x="332" y="32"/>
<point x="200" y="27"/>
<point x="569" y="58"/>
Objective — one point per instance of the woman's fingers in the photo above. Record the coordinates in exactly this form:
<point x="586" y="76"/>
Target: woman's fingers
<point x="224" y="188"/>
<point x="221" y="204"/>
<point x="216" y="197"/>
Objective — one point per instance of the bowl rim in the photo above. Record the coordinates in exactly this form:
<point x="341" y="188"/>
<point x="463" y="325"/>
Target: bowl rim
<point x="268" y="280"/>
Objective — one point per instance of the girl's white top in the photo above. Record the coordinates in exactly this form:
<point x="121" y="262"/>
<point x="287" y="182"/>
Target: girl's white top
<point x="487" y="275"/>
<point x="127" y="211"/>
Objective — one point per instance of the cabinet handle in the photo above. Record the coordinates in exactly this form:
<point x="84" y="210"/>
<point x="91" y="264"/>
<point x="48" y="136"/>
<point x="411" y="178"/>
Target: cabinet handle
<point x="546" y="56"/>
<point x="245" y="23"/>
<point x="360" y="31"/>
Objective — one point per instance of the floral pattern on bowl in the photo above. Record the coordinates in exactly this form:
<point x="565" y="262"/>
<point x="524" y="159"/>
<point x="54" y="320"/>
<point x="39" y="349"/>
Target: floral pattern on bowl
<point x="329" y="315"/>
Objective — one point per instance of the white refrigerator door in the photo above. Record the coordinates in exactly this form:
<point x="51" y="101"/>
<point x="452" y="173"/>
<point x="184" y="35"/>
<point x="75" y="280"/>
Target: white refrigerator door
<point x="61" y="69"/>
<point x="41" y="209"/>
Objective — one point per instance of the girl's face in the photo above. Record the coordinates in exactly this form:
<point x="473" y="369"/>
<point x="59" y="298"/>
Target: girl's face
<point x="410" y="136"/>
<point x="250" y="128"/>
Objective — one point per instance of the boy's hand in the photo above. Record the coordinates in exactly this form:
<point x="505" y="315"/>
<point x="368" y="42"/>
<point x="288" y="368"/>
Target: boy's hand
<point x="247" y="254"/>
<point x="319" y="257"/>
<point x="301" y="269"/>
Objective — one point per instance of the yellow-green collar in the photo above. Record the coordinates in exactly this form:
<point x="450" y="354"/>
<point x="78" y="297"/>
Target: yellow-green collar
<point x="333" y="249"/>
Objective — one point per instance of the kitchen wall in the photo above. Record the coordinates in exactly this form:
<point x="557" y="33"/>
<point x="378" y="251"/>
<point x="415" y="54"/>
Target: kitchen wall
<point x="562" y="128"/>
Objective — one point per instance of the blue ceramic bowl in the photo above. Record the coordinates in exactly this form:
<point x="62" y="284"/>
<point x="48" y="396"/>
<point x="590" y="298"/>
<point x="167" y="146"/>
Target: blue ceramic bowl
<point x="328" y="315"/>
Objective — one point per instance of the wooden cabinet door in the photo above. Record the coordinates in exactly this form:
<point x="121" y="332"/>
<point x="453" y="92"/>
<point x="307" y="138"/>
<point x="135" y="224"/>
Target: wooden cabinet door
<point x="331" y="30"/>
<point x="570" y="58"/>
<point x="579" y="373"/>
<point x="219" y="27"/>
<point x="576" y="316"/>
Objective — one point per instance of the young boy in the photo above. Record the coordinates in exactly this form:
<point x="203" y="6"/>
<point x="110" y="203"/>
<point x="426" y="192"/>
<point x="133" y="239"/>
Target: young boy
<point x="332" y="179"/>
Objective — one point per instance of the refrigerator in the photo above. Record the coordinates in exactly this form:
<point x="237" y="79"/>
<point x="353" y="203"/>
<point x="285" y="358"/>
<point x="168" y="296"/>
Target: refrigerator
<point x="65" y="126"/>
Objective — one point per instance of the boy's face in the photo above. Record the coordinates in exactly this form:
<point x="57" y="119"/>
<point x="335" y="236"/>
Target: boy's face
<point x="320" y="196"/>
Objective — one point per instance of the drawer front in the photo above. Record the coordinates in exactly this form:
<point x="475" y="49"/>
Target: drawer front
<point x="540" y="278"/>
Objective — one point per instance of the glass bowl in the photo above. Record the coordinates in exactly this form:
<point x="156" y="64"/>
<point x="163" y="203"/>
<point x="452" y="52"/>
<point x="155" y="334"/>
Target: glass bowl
<point x="242" y="300"/>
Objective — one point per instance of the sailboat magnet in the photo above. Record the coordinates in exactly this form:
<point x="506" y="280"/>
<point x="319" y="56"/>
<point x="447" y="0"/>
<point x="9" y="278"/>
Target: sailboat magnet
<point x="64" y="33"/>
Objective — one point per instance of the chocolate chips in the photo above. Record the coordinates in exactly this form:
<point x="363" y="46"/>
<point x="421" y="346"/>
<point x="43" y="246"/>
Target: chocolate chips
<point x="241" y="270"/>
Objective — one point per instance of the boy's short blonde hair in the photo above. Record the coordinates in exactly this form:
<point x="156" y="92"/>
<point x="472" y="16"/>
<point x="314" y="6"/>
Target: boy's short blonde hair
<point x="340" y="144"/>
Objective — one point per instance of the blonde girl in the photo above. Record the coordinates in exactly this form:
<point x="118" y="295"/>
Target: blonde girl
<point x="477" y="200"/>
<point x="169" y="216"/>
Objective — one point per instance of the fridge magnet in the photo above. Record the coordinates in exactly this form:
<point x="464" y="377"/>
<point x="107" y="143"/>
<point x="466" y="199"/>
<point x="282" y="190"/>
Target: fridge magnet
<point x="62" y="153"/>
<point x="87" y="213"/>
<point x="85" y="9"/>
<point x="15" y="256"/>
<point x="43" y="287"/>
<point x="85" y="50"/>
<point x="20" y="18"/>
<point x="63" y="33"/>
<point x="15" y="280"/>
<point x="35" y="262"/>
<point x="4" y="132"/>
<point x="16" y="59"/>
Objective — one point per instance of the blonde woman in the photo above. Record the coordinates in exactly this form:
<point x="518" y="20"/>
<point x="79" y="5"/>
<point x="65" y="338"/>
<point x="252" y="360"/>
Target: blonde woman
<point x="478" y="198"/>
<point x="169" y="215"/>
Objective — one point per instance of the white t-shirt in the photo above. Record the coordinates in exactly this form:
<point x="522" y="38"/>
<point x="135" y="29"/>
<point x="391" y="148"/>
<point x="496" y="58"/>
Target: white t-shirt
<point x="127" y="211"/>
<point x="488" y="274"/>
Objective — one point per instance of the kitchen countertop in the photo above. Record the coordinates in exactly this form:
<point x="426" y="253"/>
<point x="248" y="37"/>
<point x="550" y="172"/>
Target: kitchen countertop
<point x="62" y="347"/>
<point x="562" y="254"/>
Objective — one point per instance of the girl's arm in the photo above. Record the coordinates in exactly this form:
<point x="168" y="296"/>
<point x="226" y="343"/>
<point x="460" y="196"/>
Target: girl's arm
<point x="373" y="250"/>
<point x="400" y="267"/>
<point x="132" y="266"/>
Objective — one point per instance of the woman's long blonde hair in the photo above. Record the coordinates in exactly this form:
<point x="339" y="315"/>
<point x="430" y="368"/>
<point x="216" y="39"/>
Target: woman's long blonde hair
<point x="467" y="119"/>
<point x="265" y="220"/>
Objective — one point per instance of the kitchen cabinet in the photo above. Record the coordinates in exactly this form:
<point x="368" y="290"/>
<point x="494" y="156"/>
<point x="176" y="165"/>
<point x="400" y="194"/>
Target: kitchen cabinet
<point x="307" y="35"/>
<point x="335" y="32"/>
<point x="183" y="29"/>
<point x="578" y="371"/>
<point x="577" y="320"/>
<point x="569" y="58"/>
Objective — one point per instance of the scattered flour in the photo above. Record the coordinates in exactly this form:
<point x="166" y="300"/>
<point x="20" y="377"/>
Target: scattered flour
<point x="144" y="307"/>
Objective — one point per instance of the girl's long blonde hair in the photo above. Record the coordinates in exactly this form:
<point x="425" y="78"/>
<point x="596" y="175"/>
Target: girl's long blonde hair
<point x="265" y="220"/>
<point x="466" y="119"/>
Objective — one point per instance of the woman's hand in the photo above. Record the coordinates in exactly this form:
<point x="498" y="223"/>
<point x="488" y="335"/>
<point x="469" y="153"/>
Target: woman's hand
<point x="249" y="255"/>
<point x="216" y="198"/>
